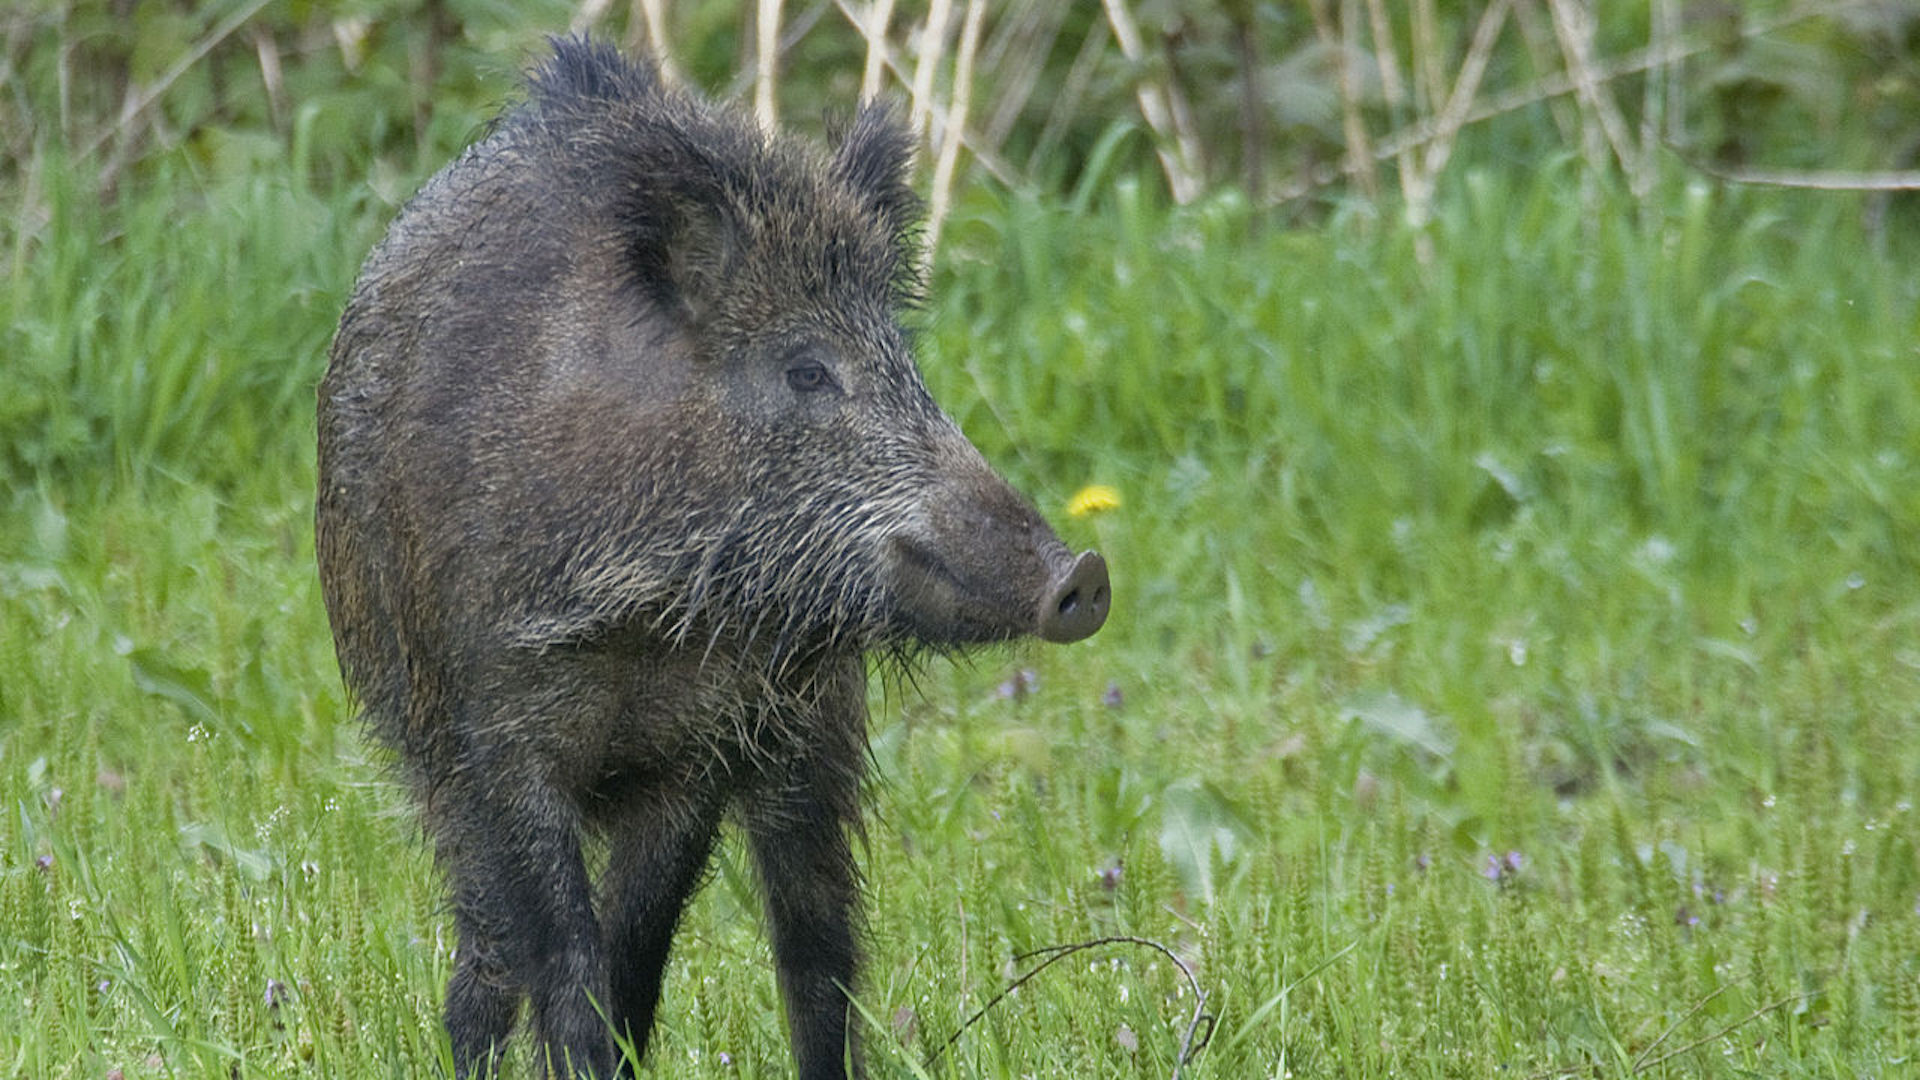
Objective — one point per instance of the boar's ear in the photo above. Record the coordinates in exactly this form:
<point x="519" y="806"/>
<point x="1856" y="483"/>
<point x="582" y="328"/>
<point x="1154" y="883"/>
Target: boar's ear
<point x="875" y="158"/>
<point x="683" y="239"/>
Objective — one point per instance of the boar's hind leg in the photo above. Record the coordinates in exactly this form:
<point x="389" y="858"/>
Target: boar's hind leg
<point x="524" y="911"/>
<point x="660" y="853"/>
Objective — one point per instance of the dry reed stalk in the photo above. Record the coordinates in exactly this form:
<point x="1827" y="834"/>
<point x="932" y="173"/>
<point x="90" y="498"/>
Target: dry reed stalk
<point x="1815" y="179"/>
<point x="1449" y="121"/>
<point x="933" y="45"/>
<point x="1178" y="149"/>
<point x="1186" y="126"/>
<point x="140" y="98"/>
<point x="1072" y="91"/>
<point x="792" y="29"/>
<point x="1360" y="161"/>
<point x="1353" y="120"/>
<point x="1660" y="93"/>
<point x="589" y="15"/>
<point x="983" y="156"/>
<point x="653" y="17"/>
<point x="953" y="125"/>
<point x="1573" y="24"/>
<point x="766" y="27"/>
<point x="1545" y="57"/>
<point x="268" y="52"/>
<point x="64" y="88"/>
<point x="1024" y="46"/>
<point x="1560" y="84"/>
<point x="1546" y="88"/>
<point x="1466" y="87"/>
<point x="1386" y="56"/>
<point x="15" y="137"/>
<point x="1430" y="84"/>
<point x="874" y="30"/>
<point x="1252" y="107"/>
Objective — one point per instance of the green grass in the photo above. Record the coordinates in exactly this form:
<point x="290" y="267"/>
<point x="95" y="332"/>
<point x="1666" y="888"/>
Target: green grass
<point x="1591" y="540"/>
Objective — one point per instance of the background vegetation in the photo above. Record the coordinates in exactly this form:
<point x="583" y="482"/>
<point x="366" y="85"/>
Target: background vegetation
<point x="1517" y="653"/>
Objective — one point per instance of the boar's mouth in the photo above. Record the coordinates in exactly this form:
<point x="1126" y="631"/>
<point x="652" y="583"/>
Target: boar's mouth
<point x="1056" y="595"/>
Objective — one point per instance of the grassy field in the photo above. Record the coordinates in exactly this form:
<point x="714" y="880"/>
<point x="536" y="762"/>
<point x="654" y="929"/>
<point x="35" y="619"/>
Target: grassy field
<point x="1515" y="667"/>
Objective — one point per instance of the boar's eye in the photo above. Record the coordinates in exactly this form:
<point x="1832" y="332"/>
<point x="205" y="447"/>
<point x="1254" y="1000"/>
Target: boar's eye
<point x="810" y="376"/>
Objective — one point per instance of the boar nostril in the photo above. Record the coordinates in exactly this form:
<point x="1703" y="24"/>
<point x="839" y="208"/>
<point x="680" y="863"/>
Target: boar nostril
<point x="1071" y="602"/>
<point x="1078" y="600"/>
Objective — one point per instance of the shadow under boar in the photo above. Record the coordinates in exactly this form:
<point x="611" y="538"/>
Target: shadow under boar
<point x="624" y="468"/>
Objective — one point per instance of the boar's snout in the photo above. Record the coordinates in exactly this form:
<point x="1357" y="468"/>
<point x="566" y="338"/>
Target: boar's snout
<point x="1075" y="604"/>
<point x="978" y="563"/>
<point x="954" y="590"/>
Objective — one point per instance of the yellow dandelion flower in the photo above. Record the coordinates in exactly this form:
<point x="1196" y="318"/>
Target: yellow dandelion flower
<point x="1094" y="499"/>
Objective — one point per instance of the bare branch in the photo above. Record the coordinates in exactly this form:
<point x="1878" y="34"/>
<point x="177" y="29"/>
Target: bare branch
<point x="1811" y="179"/>
<point x="1199" y="1027"/>
<point x="1573" y="24"/>
<point x="1547" y="88"/>
<point x="138" y="103"/>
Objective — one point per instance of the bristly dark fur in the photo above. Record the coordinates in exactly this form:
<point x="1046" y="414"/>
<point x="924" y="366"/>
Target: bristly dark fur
<point x="586" y="72"/>
<point x="625" y="472"/>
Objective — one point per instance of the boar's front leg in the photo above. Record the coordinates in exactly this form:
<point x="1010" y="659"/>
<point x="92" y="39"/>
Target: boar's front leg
<point x="661" y="844"/>
<point x="524" y="909"/>
<point x="800" y="831"/>
<point x="811" y="888"/>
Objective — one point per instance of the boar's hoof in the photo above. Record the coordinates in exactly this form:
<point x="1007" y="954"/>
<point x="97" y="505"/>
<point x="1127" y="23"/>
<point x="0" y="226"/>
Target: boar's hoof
<point x="1076" y="602"/>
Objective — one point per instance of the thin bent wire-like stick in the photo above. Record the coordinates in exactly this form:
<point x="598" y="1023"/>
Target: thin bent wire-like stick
<point x="1188" y="1044"/>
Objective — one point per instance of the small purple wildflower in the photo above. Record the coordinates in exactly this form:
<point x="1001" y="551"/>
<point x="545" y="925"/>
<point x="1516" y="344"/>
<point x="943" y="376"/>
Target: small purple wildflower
<point x="1501" y="867"/>
<point x="1024" y="682"/>
<point x="1685" y="918"/>
<point x="1113" y="699"/>
<point x="44" y="862"/>
<point x="1110" y="877"/>
<point x="725" y="1058"/>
